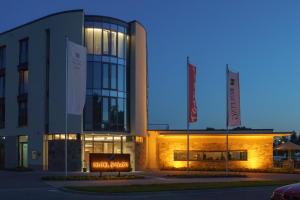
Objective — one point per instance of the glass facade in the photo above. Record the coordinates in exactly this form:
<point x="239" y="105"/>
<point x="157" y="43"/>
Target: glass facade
<point x="107" y="95"/>
<point x="100" y="144"/>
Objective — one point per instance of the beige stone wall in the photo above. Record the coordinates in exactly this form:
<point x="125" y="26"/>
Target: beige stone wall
<point x="140" y="153"/>
<point x="259" y="149"/>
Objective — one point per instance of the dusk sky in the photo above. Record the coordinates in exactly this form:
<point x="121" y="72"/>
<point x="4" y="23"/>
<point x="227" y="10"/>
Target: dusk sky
<point x="260" y="39"/>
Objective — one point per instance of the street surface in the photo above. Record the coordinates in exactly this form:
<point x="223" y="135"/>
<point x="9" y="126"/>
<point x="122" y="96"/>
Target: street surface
<point x="28" y="186"/>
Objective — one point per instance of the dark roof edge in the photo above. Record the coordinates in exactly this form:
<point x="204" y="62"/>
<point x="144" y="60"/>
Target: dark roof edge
<point x="36" y="20"/>
<point x="110" y="19"/>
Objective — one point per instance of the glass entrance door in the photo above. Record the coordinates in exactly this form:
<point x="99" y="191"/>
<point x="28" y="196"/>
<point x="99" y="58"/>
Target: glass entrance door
<point x="23" y="151"/>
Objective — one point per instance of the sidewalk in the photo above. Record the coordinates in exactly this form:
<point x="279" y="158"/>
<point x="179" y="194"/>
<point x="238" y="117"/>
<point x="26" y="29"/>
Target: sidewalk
<point x="159" y="178"/>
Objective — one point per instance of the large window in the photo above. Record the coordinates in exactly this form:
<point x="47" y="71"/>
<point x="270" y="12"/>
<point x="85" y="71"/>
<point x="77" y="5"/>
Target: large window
<point x="88" y="113"/>
<point x="97" y="41"/>
<point x="113" y="43"/>
<point x="90" y="75"/>
<point x="121" y="77"/>
<point x="105" y="112"/>
<point x="2" y="112"/>
<point x="106" y="41"/>
<point x="2" y="86"/>
<point x="101" y="41"/>
<point x="106" y="100"/>
<point x="105" y="73"/>
<point x="23" y="52"/>
<point x="23" y="82"/>
<point x="23" y="113"/>
<point x="121" y="44"/>
<point x="195" y="155"/>
<point x="2" y="57"/>
<point x="89" y="42"/>
<point x="97" y="121"/>
<point x="97" y="75"/>
<point x="113" y="113"/>
<point x="113" y="77"/>
<point x="121" y="113"/>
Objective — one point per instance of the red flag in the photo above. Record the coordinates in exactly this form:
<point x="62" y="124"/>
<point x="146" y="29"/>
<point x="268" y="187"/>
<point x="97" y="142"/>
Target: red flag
<point x="233" y="99"/>
<point x="192" y="98"/>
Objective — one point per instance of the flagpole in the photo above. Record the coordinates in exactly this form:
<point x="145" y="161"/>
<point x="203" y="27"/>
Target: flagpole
<point x="187" y="121"/>
<point x="66" y="117"/>
<point x="227" y="129"/>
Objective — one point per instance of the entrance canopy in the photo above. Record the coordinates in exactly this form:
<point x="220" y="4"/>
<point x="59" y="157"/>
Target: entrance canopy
<point x="289" y="146"/>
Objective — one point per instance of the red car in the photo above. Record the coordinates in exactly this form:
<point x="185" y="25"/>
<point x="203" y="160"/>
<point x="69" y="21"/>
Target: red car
<point x="287" y="192"/>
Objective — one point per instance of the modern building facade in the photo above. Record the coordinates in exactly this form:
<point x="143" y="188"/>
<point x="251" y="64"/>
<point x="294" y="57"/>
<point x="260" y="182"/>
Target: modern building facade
<point x="32" y="82"/>
<point x="33" y="104"/>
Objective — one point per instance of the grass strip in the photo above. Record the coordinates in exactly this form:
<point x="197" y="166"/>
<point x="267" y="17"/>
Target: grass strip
<point x="91" y="178"/>
<point x="208" y="175"/>
<point x="175" y="186"/>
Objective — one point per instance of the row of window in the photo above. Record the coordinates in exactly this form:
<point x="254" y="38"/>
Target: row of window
<point x="105" y="113"/>
<point x="106" y="76"/>
<point x="2" y="85"/>
<point x="23" y="82"/>
<point x="101" y="41"/>
<point x="2" y="57"/>
<point x="106" y="104"/>
<point x="195" y="155"/>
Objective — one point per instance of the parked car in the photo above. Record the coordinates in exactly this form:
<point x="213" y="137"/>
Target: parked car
<point x="287" y="192"/>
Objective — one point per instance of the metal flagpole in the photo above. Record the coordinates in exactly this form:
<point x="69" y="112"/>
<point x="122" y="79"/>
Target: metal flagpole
<point x="66" y="123"/>
<point x="187" y="120"/>
<point x="227" y="129"/>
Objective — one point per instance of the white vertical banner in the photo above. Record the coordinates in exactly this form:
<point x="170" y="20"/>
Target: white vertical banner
<point x="76" y="83"/>
<point x="233" y="99"/>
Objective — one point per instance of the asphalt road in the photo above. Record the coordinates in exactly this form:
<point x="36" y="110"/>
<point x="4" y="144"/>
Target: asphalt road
<point x="28" y="186"/>
<point x="44" y="193"/>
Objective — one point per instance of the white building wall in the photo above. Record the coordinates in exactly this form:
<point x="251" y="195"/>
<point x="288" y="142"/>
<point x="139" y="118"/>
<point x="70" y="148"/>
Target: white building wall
<point x="138" y="80"/>
<point x="68" y="24"/>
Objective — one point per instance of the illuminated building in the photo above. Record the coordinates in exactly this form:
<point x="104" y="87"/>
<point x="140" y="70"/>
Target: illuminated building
<point x="248" y="149"/>
<point x="32" y="100"/>
<point x="32" y="103"/>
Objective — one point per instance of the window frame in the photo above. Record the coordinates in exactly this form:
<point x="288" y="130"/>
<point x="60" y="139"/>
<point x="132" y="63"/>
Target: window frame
<point x="3" y="57"/>
<point x="184" y="154"/>
<point x="23" y="86"/>
<point x="25" y="62"/>
<point x="23" y="114"/>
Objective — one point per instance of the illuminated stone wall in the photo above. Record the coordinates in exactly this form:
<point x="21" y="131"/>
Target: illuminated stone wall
<point x="140" y="153"/>
<point x="259" y="150"/>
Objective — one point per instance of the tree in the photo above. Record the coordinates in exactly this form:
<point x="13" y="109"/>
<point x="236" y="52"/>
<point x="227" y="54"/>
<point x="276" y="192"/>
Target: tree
<point x="294" y="138"/>
<point x="298" y="141"/>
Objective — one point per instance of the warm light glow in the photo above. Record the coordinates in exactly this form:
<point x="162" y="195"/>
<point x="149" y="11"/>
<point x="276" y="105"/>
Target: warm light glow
<point x="179" y="164"/>
<point x="259" y="148"/>
<point x="139" y="139"/>
<point x="110" y="165"/>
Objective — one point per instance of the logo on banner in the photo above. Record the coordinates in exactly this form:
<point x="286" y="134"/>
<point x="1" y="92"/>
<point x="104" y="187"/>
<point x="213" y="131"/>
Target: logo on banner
<point x="234" y="116"/>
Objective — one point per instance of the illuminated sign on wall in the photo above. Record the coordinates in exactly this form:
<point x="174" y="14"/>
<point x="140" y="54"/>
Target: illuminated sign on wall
<point x="106" y="162"/>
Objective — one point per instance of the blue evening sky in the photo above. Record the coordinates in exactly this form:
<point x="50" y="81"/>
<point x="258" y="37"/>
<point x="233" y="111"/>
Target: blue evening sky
<point x="260" y="39"/>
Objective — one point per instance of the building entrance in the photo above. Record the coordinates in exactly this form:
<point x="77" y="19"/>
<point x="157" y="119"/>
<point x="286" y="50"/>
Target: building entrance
<point x="100" y="144"/>
<point x="23" y="151"/>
